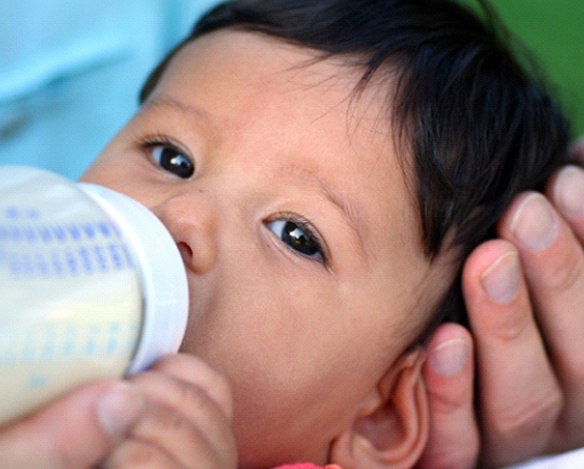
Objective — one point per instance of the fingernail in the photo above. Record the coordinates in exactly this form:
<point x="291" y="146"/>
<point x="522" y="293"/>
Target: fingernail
<point x="501" y="280"/>
<point x="569" y="191"/>
<point x="119" y="409"/>
<point x="449" y="358"/>
<point x="533" y="224"/>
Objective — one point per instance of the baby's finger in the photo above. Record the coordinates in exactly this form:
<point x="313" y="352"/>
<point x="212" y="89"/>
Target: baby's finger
<point x="519" y="396"/>
<point x="135" y="454"/>
<point x="76" y="431"/>
<point x="194" y="371"/>
<point x="183" y="420"/>
<point x="448" y="373"/>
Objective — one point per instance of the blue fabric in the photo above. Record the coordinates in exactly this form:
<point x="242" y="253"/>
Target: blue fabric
<point x="70" y="72"/>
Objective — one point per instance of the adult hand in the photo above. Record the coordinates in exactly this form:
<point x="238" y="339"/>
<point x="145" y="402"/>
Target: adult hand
<point x="76" y="431"/>
<point x="525" y="299"/>
<point x="177" y="414"/>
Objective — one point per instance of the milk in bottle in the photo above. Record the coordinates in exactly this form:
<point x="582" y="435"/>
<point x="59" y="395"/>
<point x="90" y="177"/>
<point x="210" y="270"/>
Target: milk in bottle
<point x="91" y="286"/>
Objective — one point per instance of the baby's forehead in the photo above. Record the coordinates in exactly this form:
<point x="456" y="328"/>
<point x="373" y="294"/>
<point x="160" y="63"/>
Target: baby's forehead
<point x="270" y="69"/>
<point x="299" y="66"/>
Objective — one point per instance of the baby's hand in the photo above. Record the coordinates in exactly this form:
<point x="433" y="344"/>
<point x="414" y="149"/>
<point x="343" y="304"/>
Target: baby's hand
<point x="185" y="422"/>
<point x="175" y="415"/>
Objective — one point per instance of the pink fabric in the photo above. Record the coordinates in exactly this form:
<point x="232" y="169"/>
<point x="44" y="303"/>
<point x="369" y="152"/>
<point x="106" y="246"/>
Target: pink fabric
<point x="307" y="466"/>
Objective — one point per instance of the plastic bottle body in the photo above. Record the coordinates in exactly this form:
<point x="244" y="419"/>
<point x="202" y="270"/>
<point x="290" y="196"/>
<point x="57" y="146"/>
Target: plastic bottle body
<point x="72" y="291"/>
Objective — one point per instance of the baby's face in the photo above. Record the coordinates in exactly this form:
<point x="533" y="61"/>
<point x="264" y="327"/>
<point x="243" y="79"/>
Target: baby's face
<point x="300" y="238"/>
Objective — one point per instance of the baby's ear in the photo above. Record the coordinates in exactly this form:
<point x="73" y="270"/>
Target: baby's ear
<point x="391" y="428"/>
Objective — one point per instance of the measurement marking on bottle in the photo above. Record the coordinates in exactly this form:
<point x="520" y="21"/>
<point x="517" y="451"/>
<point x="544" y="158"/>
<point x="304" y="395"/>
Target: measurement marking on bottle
<point x="37" y="381"/>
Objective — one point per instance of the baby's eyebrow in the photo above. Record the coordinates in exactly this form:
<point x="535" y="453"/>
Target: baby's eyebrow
<point x="189" y="111"/>
<point x="347" y="206"/>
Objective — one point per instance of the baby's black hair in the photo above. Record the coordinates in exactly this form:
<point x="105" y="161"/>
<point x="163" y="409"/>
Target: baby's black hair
<point x="478" y="127"/>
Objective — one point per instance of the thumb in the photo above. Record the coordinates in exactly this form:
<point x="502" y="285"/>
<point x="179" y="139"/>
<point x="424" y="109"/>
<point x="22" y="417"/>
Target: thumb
<point x="448" y="374"/>
<point x="76" y="431"/>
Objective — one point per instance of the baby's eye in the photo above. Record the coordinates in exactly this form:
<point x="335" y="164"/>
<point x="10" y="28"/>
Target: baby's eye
<point x="297" y="237"/>
<point x="172" y="160"/>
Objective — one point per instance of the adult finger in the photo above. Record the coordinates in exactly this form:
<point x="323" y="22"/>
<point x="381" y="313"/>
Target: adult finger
<point x="577" y="151"/>
<point x="448" y="373"/>
<point x="566" y="191"/>
<point x="519" y="396"/>
<point x="554" y="267"/>
<point x="76" y="431"/>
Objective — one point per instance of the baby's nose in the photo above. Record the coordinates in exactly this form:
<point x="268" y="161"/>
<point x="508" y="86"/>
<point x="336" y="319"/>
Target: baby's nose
<point x="191" y="221"/>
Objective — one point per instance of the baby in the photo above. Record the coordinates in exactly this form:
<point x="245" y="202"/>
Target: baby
<point x="324" y="167"/>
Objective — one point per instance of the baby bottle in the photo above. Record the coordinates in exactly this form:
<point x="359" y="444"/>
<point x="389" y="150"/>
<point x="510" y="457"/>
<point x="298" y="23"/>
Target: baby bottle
<point x="91" y="286"/>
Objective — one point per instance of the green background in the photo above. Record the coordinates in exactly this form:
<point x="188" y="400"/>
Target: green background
<point x="554" y="31"/>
